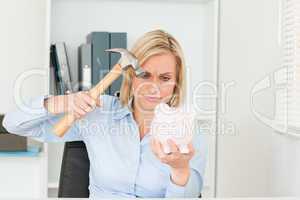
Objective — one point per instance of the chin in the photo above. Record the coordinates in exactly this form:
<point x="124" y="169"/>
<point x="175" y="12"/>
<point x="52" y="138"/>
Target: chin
<point x="148" y="106"/>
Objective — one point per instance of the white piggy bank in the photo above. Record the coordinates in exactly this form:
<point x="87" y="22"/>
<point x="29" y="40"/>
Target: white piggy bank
<point x="173" y="123"/>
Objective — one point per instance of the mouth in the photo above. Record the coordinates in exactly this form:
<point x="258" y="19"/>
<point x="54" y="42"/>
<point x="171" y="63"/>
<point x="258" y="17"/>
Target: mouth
<point x="153" y="99"/>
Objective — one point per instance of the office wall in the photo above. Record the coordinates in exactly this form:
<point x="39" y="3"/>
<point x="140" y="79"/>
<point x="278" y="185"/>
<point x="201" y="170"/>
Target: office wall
<point x="22" y="51"/>
<point x="248" y="52"/>
<point x="24" y="65"/>
<point x="285" y="174"/>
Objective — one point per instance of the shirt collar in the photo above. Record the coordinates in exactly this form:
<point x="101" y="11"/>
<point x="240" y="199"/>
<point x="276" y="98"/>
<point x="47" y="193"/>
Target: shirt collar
<point x="123" y="111"/>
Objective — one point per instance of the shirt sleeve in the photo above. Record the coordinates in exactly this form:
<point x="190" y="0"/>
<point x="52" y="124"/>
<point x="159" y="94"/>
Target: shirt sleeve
<point x="194" y="185"/>
<point x="34" y="120"/>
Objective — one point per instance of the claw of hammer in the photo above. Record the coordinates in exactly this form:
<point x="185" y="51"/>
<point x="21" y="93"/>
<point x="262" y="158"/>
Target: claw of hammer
<point x="128" y="60"/>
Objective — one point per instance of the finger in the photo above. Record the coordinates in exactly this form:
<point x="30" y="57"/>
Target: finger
<point x="98" y="103"/>
<point x="154" y="148"/>
<point x="79" y="111"/>
<point x="173" y="146"/>
<point x="77" y="116"/>
<point x="159" y="150"/>
<point x="175" y="152"/>
<point x="191" y="148"/>
<point x="89" y="100"/>
<point x="190" y="154"/>
<point x="80" y="102"/>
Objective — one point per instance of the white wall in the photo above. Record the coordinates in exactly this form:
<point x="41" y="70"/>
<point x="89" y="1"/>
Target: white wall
<point x="285" y="174"/>
<point x="24" y="47"/>
<point x="248" y="52"/>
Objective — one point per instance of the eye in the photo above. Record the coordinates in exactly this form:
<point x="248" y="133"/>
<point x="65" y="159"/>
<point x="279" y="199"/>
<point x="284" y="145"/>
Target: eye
<point x="165" y="78"/>
<point x="146" y="75"/>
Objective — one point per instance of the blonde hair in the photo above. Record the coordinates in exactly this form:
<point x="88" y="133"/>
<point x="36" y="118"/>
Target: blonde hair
<point x="153" y="43"/>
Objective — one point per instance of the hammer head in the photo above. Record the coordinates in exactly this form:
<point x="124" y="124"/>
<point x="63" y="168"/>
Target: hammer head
<point x="128" y="60"/>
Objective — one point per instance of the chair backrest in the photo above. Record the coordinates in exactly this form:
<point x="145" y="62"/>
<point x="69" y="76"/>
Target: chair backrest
<point x="74" y="174"/>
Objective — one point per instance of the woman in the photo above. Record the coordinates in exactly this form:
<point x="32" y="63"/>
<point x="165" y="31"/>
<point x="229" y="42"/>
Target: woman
<point x="124" y="160"/>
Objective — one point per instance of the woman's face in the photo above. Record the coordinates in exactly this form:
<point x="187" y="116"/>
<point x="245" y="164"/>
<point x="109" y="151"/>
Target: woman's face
<point x="158" y="83"/>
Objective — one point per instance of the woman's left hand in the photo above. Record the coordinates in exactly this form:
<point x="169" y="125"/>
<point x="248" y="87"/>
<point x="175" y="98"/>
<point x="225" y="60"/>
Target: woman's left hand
<point x="179" y="162"/>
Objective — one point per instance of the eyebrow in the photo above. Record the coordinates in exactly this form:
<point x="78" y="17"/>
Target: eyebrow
<point x="166" y="73"/>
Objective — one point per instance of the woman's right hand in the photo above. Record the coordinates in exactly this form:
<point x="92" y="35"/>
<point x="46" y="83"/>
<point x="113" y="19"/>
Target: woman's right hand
<point x="78" y="104"/>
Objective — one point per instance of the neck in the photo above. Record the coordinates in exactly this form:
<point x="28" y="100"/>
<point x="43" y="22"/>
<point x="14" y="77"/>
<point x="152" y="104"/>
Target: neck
<point x="143" y="120"/>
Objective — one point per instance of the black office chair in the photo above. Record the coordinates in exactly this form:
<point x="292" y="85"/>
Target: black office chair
<point x="74" y="174"/>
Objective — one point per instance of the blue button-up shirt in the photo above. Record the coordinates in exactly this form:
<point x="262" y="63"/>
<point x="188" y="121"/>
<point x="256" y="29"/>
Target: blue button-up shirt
<point x="121" y="165"/>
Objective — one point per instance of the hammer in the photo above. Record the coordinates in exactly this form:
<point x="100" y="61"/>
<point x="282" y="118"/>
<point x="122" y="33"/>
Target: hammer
<point x="127" y="60"/>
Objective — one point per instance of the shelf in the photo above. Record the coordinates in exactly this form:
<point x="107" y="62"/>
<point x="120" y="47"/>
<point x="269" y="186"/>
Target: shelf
<point x="53" y="185"/>
<point x="31" y="152"/>
<point x="148" y="1"/>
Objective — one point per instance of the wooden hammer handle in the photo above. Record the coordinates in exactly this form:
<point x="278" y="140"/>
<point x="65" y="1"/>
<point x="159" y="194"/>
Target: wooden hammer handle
<point x="66" y="122"/>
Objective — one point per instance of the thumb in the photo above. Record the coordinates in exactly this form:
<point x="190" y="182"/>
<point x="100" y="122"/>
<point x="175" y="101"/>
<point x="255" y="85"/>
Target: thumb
<point x="98" y="103"/>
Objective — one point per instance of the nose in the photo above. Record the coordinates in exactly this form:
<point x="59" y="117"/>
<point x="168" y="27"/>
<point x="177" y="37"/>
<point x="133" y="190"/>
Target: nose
<point x="154" y="89"/>
<point x="154" y="86"/>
